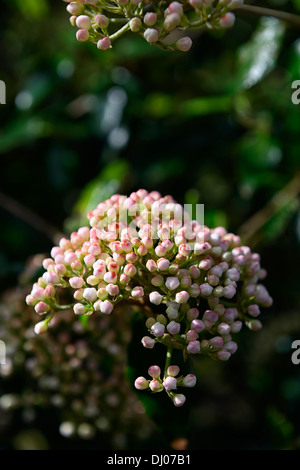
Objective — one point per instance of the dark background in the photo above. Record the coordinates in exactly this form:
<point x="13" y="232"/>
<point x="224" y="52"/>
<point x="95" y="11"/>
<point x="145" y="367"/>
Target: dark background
<point x="214" y="126"/>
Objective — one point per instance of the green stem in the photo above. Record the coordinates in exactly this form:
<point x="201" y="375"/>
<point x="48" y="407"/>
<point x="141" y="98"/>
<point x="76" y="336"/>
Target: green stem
<point x="168" y="359"/>
<point x="119" y="33"/>
<point x="261" y="11"/>
<point x="63" y="307"/>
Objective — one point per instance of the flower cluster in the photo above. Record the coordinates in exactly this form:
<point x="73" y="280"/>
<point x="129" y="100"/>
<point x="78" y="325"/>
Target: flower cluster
<point x="202" y="284"/>
<point x="159" y="23"/>
<point x="76" y="373"/>
<point x="169" y="383"/>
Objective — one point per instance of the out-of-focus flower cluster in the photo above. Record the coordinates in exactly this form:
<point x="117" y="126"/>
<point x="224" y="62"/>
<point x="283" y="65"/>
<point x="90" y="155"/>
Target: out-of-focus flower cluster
<point x="202" y="284"/>
<point x="76" y="373"/>
<point x="158" y="22"/>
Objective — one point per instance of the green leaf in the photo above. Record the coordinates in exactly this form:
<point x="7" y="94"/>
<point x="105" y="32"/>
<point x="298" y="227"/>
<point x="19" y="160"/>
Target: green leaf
<point x="257" y="57"/>
<point x="204" y="106"/>
<point x="99" y="189"/>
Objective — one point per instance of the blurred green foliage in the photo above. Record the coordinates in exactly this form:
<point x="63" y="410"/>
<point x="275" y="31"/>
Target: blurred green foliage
<point x="214" y="126"/>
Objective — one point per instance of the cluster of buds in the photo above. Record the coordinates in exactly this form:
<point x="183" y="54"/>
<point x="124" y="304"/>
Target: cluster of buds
<point x="169" y="382"/>
<point x="202" y="284"/>
<point x="76" y="373"/>
<point x="159" y="23"/>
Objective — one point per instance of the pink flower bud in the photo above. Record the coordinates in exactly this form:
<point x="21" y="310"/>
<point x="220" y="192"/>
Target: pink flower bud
<point x="206" y="264"/>
<point x="158" y="329"/>
<point x="233" y="274"/>
<point x="110" y="277"/>
<point x="236" y="326"/>
<point x="132" y="257"/>
<point x="174" y="7"/>
<point x="254" y="310"/>
<point x="51" y="277"/>
<point x="102" y="21"/>
<point x="84" y="232"/>
<point x="206" y="289"/>
<point x="142" y="250"/>
<point x="228" y="20"/>
<point x="178" y="399"/>
<point x="49" y="291"/>
<point x="231" y="347"/>
<point x="151" y="265"/>
<point x="173" y="328"/>
<point x="172" y="371"/>
<point x="151" y="35"/>
<point x="78" y="294"/>
<point x="224" y="328"/>
<point x="223" y="355"/>
<point x="154" y="371"/>
<point x="31" y="301"/>
<point x="182" y="297"/>
<point x="82" y="35"/>
<point x="41" y="327"/>
<point x="41" y="308"/>
<point x="135" y="24"/>
<point x="184" y="44"/>
<point x="216" y="342"/>
<point x="155" y="298"/>
<point x="160" y="250"/>
<point x="194" y="272"/>
<point x="74" y="8"/>
<point x="163" y="264"/>
<point x="189" y="380"/>
<point x="79" y="309"/>
<point x="130" y="270"/>
<point x="193" y="313"/>
<point x="124" y="279"/>
<point x="155" y="386"/>
<point x="211" y="316"/>
<point x="76" y="282"/>
<point x="89" y="260"/>
<point x="196" y="3"/>
<point x="229" y="291"/>
<point x="112" y="289"/>
<point x="254" y="325"/>
<point x="141" y="383"/>
<point x="172" y="283"/>
<point x="148" y="342"/>
<point x="170" y="383"/>
<point x="47" y="262"/>
<point x="37" y="292"/>
<point x="60" y="269"/>
<point x="157" y="281"/>
<point x="197" y="325"/>
<point x="171" y="21"/>
<point x="230" y="315"/>
<point x="106" y="307"/>
<point x="194" y="290"/>
<point x="104" y="44"/>
<point x="83" y="22"/>
<point x="90" y="294"/>
<point x="191" y="335"/>
<point x="193" y="347"/>
<point x="137" y="292"/>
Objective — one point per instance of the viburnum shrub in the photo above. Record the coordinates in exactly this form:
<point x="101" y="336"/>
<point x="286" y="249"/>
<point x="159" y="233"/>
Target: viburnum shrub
<point x="158" y="22"/>
<point x="201" y="284"/>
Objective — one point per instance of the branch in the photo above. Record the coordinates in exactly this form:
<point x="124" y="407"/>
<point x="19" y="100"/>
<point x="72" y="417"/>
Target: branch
<point x="261" y="11"/>
<point x="30" y="217"/>
<point x="281" y="199"/>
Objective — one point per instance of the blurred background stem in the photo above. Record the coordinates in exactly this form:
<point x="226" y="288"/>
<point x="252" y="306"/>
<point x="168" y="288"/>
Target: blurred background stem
<point x="261" y="11"/>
